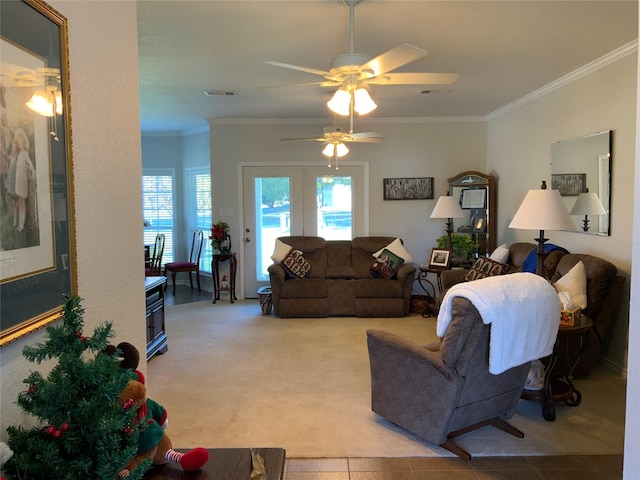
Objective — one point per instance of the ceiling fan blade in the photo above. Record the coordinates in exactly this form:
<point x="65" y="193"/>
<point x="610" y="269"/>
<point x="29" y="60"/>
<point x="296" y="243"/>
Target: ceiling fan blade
<point x="313" y="71"/>
<point x="394" y="58"/>
<point x="366" y="135"/>
<point x="414" y="79"/>
<point x="320" y="139"/>
<point x="363" y="140"/>
<point x="322" y="84"/>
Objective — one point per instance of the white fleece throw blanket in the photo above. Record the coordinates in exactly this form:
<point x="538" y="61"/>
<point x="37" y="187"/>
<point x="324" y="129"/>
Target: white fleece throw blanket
<point x="523" y="310"/>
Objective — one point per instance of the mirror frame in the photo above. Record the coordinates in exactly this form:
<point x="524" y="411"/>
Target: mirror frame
<point x="481" y="221"/>
<point x="599" y="164"/>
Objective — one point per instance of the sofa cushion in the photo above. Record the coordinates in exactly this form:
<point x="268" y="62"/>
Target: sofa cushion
<point x="397" y="248"/>
<point x="295" y="264"/>
<point x="574" y="282"/>
<point x="500" y="254"/>
<point x="378" y="288"/>
<point x="485" y="267"/>
<point x="280" y="251"/>
<point x="304" y="288"/>
<point x="386" y="265"/>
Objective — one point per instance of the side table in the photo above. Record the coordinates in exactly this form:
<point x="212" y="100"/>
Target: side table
<point x="225" y="463"/>
<point x="558" y="386"/>
<point x="231" y="283"/>
<point x="425" y="270"/>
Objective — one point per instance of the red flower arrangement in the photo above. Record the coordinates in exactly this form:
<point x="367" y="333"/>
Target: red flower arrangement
<point x="219" y="230"/>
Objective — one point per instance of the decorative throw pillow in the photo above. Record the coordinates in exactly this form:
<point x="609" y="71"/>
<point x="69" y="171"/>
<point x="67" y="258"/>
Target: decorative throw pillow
<point x="280" y="251"/>
<point x="295" y="264"/>
<point x="500" y="254"/>
<point x="397" y="248"/>
<point x="386" y="265"/>
<point x="574" y="282"/>
<point x="485" y="267"/>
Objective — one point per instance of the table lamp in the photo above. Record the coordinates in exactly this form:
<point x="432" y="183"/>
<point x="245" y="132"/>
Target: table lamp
<point x="588" y="204"/>
<point x="542" y="210"/>
<point x="447" y="207"/>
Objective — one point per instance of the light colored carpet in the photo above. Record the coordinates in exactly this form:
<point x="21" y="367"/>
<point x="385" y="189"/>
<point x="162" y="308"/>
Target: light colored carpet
<point x="235" y="378"/>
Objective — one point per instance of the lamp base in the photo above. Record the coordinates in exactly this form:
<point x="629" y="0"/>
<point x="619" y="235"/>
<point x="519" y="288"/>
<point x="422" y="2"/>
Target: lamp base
<point x="585" y="223"/>
<point x="540" y="253"/>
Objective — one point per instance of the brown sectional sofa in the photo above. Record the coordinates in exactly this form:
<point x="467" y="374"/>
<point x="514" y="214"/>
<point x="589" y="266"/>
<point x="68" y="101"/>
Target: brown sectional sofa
<point x="339" y="283"/>
<point x="604" y="289"/>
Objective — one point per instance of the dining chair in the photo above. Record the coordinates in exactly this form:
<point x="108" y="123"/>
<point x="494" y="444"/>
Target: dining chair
<point x="154" y="268"/>
<point x="192" y="265"/>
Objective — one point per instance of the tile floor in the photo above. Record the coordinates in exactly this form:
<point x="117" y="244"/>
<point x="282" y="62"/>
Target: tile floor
<point x="572" y="467"/>
<point x="598" y="467"/>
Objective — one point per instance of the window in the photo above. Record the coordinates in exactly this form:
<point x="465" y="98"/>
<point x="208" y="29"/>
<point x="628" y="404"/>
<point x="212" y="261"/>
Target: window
<point x="198" y="209"/>
<point x="157" y="208"/>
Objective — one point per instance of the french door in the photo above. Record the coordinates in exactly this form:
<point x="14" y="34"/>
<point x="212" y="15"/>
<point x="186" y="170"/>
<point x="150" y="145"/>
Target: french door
<point x="297" y="200"/>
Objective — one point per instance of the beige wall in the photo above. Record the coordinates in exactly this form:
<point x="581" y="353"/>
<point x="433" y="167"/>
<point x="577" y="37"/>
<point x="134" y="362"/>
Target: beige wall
<point x="426" y="149"/>
<point x="107" y="171"/>
<point x="519" y="151"/>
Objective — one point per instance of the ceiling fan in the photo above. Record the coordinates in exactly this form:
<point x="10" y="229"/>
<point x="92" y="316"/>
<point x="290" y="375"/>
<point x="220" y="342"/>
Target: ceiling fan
<point x="334" y="139"/>
<point x="353" y="72"/>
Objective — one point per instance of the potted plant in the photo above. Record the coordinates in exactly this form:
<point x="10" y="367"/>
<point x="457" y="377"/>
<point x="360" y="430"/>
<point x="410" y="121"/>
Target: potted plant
<point x="463" y="247"/>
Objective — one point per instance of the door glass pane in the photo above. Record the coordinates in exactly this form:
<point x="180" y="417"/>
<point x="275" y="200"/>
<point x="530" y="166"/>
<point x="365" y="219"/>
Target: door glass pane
<point x="273" y="218"/>
<point x="334" y="207"/>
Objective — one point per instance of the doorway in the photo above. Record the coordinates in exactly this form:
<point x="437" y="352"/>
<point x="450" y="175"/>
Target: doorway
<point x="298" y="200"/>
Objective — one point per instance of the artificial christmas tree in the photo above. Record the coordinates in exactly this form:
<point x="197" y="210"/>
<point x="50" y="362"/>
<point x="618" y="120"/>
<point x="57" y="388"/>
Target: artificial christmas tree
<point x="82" y="434"/>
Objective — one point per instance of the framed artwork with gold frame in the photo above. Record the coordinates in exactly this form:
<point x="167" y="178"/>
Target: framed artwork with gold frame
<point x="37" y="249"/>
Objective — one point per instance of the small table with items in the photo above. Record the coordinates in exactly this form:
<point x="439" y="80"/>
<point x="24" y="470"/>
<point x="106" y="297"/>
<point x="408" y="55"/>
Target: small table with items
<point x="558" y="386"/>
<point x="425" y="270"/>
<point x="228" y="285"/>
<point x="227" y="464"/>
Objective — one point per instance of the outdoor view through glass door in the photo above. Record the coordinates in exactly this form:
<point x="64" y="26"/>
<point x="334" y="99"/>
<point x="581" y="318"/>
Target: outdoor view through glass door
<point x="297" y="200"/>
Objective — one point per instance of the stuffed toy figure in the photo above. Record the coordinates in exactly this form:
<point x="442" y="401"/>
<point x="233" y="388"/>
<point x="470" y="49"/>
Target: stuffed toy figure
<point x="5" y="454"/>
<point x="153" y="443"/>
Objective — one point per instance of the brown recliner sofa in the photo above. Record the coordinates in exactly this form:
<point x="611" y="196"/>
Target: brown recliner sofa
<point x="604" y="289"/>
<point x="339" y="282"/>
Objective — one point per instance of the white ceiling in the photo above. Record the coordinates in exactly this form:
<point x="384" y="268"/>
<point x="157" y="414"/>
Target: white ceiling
<point x="503" y="50"/>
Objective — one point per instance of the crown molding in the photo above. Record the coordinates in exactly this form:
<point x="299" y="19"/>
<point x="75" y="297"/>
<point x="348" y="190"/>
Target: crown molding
<point x="612" y="57"/>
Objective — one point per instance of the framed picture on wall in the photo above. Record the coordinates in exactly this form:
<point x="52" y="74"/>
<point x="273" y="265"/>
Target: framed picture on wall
<point x="408" y="188"/>
<point x="37" y="257"/>
<point x="473" y="198"/>
<point x="569" y="184"/>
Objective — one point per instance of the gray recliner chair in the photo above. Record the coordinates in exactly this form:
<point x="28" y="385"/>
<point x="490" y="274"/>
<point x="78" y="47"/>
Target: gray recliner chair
<point x="441" y="391"/>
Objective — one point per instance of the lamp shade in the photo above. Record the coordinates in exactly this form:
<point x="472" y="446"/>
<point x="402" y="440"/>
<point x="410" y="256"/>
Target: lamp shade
<point x="542" y="210"/>
<point x="447" y="207"/>
<point x="337" y="149"/>
<point x="588" y="204"/>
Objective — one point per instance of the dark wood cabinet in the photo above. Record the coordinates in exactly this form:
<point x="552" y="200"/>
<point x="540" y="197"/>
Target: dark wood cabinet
<point x="157" y="341"/>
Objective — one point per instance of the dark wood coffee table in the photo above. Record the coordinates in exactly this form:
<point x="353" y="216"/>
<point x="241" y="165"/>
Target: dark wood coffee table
<point x="225" y="464"/>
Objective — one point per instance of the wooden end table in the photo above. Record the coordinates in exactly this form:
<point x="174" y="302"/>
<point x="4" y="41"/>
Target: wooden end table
<point x="225" y="463"/>
<point x="231" y="284"/>
<point x="558" y="386"/>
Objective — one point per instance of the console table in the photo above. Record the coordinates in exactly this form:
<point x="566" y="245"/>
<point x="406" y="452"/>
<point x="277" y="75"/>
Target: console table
<point x="227" y="464"/>
<point x="231" y="282"/>
<point x="156" y="334"/>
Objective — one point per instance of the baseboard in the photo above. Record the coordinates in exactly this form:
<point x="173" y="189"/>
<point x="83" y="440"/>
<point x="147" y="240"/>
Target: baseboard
<point x="614" y="367"/>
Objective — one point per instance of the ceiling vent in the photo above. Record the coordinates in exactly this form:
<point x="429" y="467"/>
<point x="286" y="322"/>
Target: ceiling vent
<point x="218" y="93"/>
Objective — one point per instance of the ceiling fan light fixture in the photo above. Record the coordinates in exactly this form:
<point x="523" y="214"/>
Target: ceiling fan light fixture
<point x="46" y="102"/>
<point x="340" y="102"/>
<point x="328" y="150"/>
<point x="363" y="103"/>
<point x="341" y="150"/>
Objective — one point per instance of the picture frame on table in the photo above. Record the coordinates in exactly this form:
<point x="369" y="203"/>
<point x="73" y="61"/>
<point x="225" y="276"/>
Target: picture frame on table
<point x="440" y="258"/>
<point x="37" y="248"/>
<point x="473" y="198"/>
<point x="420" y="188"/>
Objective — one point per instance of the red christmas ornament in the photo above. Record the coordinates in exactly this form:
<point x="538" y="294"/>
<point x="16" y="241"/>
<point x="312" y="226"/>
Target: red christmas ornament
<point x="50" y="430"/>
<point x="64" y="427"/>
<point x="128" y="430"/>
<point x="57" y="433"/>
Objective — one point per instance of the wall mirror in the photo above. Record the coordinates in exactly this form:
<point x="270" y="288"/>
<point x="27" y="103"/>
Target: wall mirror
<point x="476" y="194"/>
<point x="581" y="171"/>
